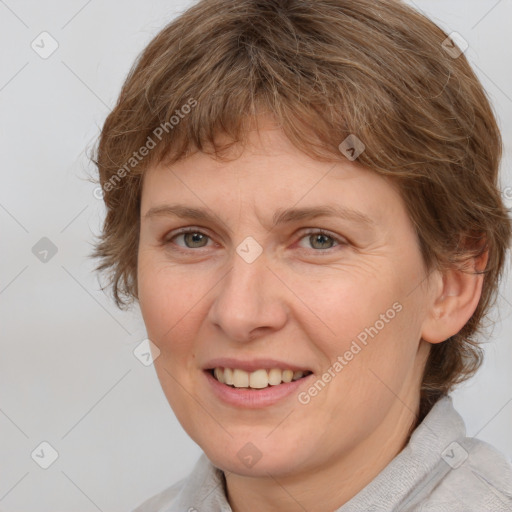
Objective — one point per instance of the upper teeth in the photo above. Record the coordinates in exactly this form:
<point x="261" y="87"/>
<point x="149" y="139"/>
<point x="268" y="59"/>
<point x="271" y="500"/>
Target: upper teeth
<point x="258" y="379"/>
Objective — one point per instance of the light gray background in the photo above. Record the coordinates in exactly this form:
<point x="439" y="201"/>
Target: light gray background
<point x="67" y="372"/>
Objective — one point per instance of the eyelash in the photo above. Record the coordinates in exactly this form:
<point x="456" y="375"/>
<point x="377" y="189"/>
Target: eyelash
<point x="312" y="231"/>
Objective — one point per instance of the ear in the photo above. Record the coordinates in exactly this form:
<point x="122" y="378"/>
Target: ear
<point x="455" y="300"/>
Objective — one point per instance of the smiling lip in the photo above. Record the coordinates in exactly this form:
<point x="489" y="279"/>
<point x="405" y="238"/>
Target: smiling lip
<point x="248" y="398"/>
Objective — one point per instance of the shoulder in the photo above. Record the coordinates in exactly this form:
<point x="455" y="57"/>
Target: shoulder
<point x="441" y="469"/>
<point x="478" y="478"/>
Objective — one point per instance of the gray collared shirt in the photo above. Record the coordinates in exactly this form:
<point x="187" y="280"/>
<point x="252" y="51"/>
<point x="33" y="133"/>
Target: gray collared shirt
<point x="440" y="470"/>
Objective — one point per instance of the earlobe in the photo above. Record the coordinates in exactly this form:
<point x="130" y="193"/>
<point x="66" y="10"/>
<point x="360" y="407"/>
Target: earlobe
<point x="456" y="302"/>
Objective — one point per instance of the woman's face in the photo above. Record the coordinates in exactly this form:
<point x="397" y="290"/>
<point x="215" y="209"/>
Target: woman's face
<point x="291" y="264"/>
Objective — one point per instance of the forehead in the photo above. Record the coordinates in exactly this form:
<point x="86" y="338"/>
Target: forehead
<point x="270" y="173"/>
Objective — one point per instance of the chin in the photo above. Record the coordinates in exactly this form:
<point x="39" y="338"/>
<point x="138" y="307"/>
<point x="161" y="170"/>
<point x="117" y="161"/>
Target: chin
<point x="257" y="459"/>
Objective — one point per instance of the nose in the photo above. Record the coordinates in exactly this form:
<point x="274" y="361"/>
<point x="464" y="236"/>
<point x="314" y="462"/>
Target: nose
<point x="250" y="301"/>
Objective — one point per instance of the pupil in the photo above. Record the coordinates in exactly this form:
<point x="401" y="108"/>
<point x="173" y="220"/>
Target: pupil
<point x="322" y="240"/>
<point x="194" y="239"/>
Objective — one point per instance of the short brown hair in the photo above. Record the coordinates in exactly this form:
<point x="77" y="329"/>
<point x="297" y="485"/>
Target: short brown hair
<point x="325" y="69"/>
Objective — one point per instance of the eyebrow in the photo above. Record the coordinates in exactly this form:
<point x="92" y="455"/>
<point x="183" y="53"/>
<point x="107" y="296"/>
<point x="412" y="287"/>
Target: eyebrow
<point x="281" y="216"/>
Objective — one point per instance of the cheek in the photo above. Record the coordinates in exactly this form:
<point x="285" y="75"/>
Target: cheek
<point x="366" y="319"/>
<point x="347" y="303"/>
<point x="159" y="303"/>
<point x="172" y="304"/>
<point x="154" y="304"/>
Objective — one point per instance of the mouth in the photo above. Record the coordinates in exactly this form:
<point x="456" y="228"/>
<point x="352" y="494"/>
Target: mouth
<point x="258" y="380"/>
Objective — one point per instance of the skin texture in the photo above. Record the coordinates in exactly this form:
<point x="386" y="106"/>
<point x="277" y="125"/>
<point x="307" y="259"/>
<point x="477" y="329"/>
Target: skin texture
<point x="297" y="303"/>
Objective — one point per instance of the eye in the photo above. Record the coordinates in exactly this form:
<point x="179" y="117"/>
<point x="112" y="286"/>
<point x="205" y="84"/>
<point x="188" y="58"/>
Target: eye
<point x="320" y="240"/>
<point x="192" y="239"/>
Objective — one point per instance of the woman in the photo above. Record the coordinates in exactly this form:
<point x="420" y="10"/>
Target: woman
<point x="302" y="197"/>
